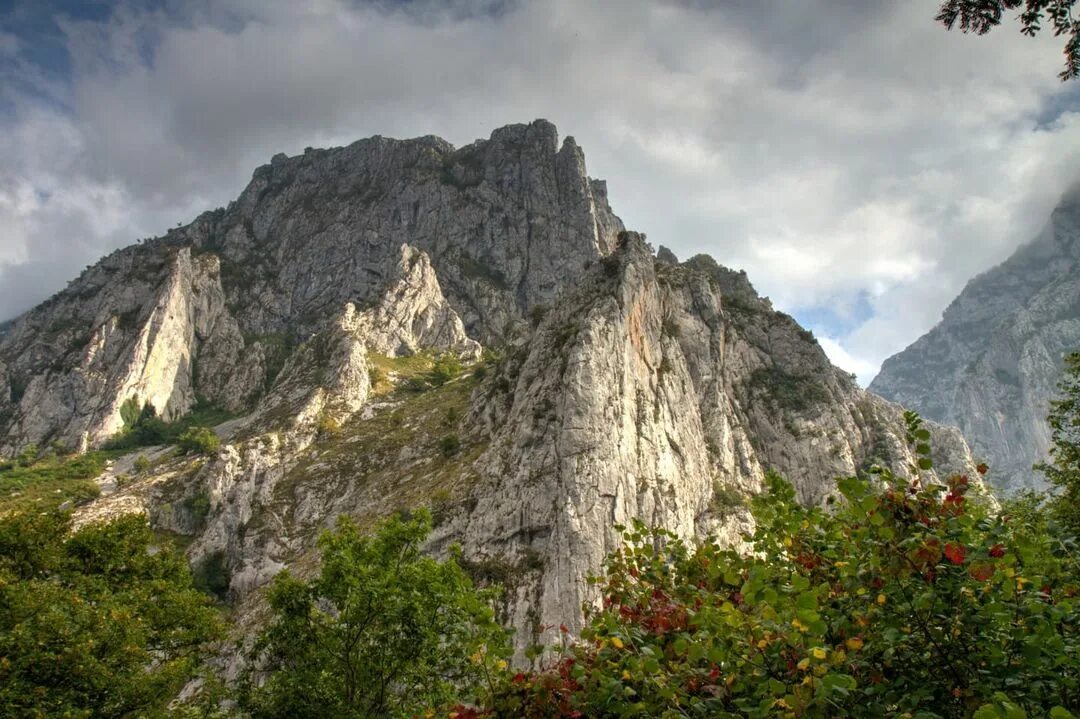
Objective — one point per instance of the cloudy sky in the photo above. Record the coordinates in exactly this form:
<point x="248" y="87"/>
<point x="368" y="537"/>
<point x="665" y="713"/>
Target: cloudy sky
<point x="860" y="162"/>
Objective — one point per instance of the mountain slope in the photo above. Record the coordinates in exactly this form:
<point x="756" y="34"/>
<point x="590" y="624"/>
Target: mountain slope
<point x="399" y="323"/>
<point x="991" y="366"/>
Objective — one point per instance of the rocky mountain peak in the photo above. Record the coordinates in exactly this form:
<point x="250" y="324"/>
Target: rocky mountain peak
<point x="991" y="366"/>
<point x="340" y="310"/>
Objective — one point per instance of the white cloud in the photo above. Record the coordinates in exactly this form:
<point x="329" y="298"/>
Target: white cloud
<point x="836" y="152"/>
<point x="862" y="369"/>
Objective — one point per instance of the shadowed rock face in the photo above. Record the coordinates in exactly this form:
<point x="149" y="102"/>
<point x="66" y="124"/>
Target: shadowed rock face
<point x="619" y="385"/>
<point x="992" y="364"/>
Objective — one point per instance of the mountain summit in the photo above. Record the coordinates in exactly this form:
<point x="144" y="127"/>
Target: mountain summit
<point x="992" y="364"/>
<point x="395" y="324"/>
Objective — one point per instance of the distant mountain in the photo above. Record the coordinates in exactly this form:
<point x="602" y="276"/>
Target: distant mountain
<point x="330" y="310"/>
<point x="992" y="364"/>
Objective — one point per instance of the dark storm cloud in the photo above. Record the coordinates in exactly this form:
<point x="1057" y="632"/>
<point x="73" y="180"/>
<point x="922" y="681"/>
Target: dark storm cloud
<point x="848" y="155"/>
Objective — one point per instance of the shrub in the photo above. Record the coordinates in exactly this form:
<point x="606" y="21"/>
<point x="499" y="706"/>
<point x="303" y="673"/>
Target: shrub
<point x="199" y="440"/>
<point x="450" y="445"/>
<point x="905" y="599"/>
<point x="446" y="368"/>
<point x="726" y="499"/>
<point x="198" y="505"/>
<point x="328" y="427"/>
<point x="27" y="456"/>
<point x="142" y="464"/>
<point x="84" y="492"/>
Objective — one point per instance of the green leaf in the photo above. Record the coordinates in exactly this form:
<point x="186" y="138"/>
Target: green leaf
<point x="925" y="463"/>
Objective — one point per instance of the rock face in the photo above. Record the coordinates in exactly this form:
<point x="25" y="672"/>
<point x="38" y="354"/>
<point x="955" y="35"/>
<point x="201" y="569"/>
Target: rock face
<point x="992" y="364"/>
<point x="332" y="307"/>
<point x="210" y="309"/>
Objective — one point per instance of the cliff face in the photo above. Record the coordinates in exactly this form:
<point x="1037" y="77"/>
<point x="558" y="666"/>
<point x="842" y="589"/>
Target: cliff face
<point x="992" y="364"/>
<point x="331" y="308"/>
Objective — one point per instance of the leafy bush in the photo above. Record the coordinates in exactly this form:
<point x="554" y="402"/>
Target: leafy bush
<point x="905" y="599"/>
<point x="93" y="623"/>
<point x="146" y="429"/>
<point x="84" y="492"/>
<point x="450" y="445"/>
<point x="446" y="368"/>
<point x="198" y="505"/>
<point x="199" y="440"/>
<point x="328" y="427"/>
<point x="142" y="464"/>
<point x="383" y="631"/>
<point x="27" y="456"/>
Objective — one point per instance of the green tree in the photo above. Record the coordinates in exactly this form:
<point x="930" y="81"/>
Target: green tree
<point x="199" y="440"/>
<point x="383" y="631"/>
<point x="97" y="623"/>
<point x="982" y="16"/>
<point x="904" y="599"/>
<point x="1063" y="470"/>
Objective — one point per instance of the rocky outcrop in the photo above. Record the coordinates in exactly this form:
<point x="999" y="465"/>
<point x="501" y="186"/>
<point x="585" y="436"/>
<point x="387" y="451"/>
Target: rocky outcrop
<point x="413" y="315"/>
<point x="123" y="332"/>
<point x="992" y="364"/>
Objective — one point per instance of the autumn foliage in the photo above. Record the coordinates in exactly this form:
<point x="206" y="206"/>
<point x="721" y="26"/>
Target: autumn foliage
<point x="905" y="598"/>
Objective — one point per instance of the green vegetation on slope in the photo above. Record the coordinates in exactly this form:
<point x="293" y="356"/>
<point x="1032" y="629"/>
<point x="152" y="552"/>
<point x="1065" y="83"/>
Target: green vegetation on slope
<point x="47" y="482"/>
<point x="410" y="451"/>
<point x="143" y="428"/>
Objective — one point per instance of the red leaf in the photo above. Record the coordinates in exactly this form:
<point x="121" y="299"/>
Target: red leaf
<point x="955" y="553"/>
<point x="998" y="550"/>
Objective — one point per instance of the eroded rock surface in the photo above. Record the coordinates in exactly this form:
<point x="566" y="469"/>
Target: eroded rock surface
<point x="991" y="366"/>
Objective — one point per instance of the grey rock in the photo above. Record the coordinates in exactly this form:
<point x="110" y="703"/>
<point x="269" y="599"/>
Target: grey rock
<point x="991" y="366"/>
<point x="640" y="396"/>
<point x="666" y="256"/>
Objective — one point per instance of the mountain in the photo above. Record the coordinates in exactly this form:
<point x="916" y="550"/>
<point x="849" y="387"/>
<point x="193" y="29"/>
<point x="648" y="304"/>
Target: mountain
<point x="401" y="323"/>
<point x="992" y="364"/>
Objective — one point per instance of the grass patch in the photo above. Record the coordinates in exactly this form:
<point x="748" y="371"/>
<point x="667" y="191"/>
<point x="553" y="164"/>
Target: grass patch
<point x="50" y="481"/>
<point x="366" y="456"/>
<point x="416" y="373"/>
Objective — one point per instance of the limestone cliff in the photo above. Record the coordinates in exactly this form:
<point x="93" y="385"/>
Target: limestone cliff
<point x="339" y="308"/>
<point x="992" y="364"/>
